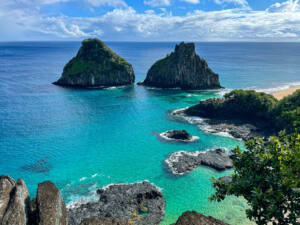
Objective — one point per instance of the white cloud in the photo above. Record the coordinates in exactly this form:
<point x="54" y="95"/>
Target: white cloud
<point x="156" y="3"/>
<point x="236" y="2"/>
<point x="288" y="6"/>
<point x="113" y="3"/>
<point x="191" y="1"/>
<point x="129" y="25"/>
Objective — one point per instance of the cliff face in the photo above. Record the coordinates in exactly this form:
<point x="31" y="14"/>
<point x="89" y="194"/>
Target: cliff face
<point x="184" y="69"/>
<point x="96" y="66"/>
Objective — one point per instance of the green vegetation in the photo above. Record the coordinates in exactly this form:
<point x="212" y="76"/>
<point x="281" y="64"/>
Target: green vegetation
<point x="268" y="177"/>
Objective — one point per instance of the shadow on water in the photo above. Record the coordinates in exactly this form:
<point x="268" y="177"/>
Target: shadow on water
<point x="40" y="166"/>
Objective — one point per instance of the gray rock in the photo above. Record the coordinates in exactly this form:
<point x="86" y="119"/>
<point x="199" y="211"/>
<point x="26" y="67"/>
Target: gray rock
<point x="50" y="207"/>
<point x="181" y="163"/>
<point x="6" y="186"/>
<point x="137" y="203"/>
<point x="183" y="69"/>
<point x="103" y="221"/>
<point x="194" y="218"/>
<point x="18" y="206"/>
<point x="178" y="135"/>
<point x="96" y="66"/>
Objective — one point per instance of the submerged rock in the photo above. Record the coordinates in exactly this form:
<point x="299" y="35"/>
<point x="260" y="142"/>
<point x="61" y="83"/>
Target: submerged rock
<point x="137" y="203"/>
<point x="40" y="166"/>
<point x="96" y="66"/>
<point x="103" y="221"/>
<point x="194" y="218"/>
<point x="181" y="163"/>
<point x="183" y="69"/>
<point x="50" y="207"/>
<point x="6" y="186"/>
<point x="18" y="206"/>
<point x="178" y="135"/>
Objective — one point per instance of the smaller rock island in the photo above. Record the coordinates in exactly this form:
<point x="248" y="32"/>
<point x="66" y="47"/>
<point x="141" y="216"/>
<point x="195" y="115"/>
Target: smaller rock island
<point x="178" y="136"/>
<point x="96" y="66"/>
<point x="183" y="69"/>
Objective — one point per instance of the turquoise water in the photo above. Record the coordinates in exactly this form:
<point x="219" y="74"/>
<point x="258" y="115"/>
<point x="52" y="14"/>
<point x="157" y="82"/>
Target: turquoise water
<point x="87" y="139"/>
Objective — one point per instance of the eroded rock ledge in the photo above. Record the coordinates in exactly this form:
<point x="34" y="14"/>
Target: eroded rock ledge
<point x="181" y="163"/>
<point x="194" y="218"/>
<point x="137" y="203"/>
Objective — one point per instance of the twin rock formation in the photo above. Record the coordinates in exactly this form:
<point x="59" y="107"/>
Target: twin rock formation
<point x="97" y="66"/>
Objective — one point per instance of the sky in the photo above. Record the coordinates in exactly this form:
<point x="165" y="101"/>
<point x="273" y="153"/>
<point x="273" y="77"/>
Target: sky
<point x="150" y="20"/>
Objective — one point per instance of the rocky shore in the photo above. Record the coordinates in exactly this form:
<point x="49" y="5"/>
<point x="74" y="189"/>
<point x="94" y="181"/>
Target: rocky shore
<point x="178" y="136"/>
<point x="119" y="204"/>
<point x="183" y="69"/>
<point x="96" y="66"/>
<point x="182" y="162"/>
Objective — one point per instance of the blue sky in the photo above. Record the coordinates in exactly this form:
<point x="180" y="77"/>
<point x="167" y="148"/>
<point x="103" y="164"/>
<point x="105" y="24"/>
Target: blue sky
<point x="150" y="20"/>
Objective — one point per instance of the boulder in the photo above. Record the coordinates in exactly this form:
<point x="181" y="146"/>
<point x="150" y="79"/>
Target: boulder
<point x="137" y="203"/>
<point x="50" y="206"/>
<point x="6" y="186"/>
<point x="182" y="162"/>
<point x="96" y="66"/>
<point x="194" y="218"/>
<point x="183" y="69"/>
<point x="18" y="206"/>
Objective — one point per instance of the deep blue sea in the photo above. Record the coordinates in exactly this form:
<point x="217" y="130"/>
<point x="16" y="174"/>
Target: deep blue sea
<point x="85" y="139"/>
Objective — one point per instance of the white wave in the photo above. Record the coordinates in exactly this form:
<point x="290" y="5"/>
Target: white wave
<point x="94" y="175"/>
<point x="82" y="179"/>
<point x="278" y="88"/>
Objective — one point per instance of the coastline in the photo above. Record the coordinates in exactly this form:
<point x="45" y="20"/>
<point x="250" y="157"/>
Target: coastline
<point x="283" y="93"/>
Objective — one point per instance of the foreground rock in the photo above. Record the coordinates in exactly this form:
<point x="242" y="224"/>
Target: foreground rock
<point x="138" y="203"/>
<point x="103" y="221"/>
<point x="183" y="69"/>
<point x="6" y="186"/>
<point x="96" y="66"/>
<point x="178" y="135"/>
<point x="18" y="206"/>
<point x="194" y="218"/>
<point x="181" y="163"/>
<point x="51" y="208"/>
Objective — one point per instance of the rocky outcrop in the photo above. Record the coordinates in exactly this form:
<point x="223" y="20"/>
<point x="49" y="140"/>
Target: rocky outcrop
<point x="178" y="135"/>
<point x="181" y="163"/>
<point x="138" y="203"/>
<point x="50" y="207"/>
<point x="103" y="221"/>
<point x="18" y="206"/>
<point x="183" y="69"/>
<point x="96" y="66"/>
<point x="194" y="218"/>
<point x="6" y="186"/>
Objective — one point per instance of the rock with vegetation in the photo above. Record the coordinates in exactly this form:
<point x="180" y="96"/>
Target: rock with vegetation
<point x="96" y="66"/>
<point x="183" y="69"/>
<point x="194" y="218"/>
<point x="181" y="163"/>
<point x="50" y="206"/>
<point x="18" y="206"/>
<point x="137" y="203"/>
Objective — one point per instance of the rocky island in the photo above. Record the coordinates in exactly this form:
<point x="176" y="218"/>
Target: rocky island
<point x="96" y="66"/>
<point x="183" y="69"/>
<point x="182" y="162"/>
<point x="178" y="136"/>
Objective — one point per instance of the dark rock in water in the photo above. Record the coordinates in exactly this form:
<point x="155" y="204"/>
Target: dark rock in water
<point x="103" y="221"/>
<point x="178" y="135"/>
<point x="6" y="186"/>
<point x="138" y="203"/>
<point x="50" y="206"/>
<point x="18" y="206"/>
<point x="181" y="163"/>
<point x="96" y="66"/>
<point x="40" y="166"/>
<point x="183" y="69"/>
<point x="194" y="218"/>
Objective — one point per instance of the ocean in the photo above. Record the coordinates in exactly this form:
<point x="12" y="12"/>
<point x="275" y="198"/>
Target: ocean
<point x="84" y="139"/>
